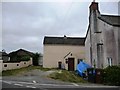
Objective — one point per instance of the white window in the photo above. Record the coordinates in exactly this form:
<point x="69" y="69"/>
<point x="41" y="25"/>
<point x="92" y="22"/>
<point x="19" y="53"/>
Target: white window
<point x="109" y="61"/>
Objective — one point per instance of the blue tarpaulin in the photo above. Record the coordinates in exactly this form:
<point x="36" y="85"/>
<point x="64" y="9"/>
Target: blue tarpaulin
<point x="82" y="67"/>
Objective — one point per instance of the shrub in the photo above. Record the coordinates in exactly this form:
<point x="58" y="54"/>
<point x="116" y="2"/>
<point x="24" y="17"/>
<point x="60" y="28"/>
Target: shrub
<point x="24" y="58"/>
<point x="112" y="75"/>
<point x="36" y="59"/>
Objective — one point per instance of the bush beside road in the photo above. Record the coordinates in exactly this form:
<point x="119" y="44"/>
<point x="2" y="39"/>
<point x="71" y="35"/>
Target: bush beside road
<point x="111" y="75"/>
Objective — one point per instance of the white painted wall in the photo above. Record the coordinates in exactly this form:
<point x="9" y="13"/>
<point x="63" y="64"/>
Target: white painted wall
<point x="1" y="61"/>
<point x="55" y="53"/>
<point x="11" y="66"/>
<point x="87" y="48"/>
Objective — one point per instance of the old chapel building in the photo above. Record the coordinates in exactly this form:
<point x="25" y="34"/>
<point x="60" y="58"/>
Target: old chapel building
<point x="102" y="42"/>
<point x="63" y="52"/>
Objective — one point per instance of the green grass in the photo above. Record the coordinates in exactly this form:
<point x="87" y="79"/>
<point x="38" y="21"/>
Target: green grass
<point x="67" y="76"/>
<point x="23" y="70"/>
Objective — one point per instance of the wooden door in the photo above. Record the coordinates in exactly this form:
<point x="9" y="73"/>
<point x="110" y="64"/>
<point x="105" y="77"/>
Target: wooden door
<point x="70" y="64"/>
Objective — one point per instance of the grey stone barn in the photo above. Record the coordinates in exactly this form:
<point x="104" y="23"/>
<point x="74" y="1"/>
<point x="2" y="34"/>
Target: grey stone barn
<point x="102" y="42"/>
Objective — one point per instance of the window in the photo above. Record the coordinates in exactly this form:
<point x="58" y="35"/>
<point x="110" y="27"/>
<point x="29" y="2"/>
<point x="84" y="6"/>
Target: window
<point x="5" y="65"/>
<point x="79" y="61"/>
<point x="109" y="61"/>
<point x="24" y="62"/>
<point x="17" y="64"/>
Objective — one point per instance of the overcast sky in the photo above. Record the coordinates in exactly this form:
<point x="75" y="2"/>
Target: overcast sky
<point x="24" y="24"/>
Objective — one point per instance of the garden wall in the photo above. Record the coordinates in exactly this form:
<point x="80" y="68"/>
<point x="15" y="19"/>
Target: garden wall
<point x="16" y="65"/>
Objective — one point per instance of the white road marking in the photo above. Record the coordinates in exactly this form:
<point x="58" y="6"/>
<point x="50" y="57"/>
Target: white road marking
<point x="34" y="82"/>
<point x="44" y="84"/>
<point x="7" y="82"/>
<point x="30" y="87"/>
<point x="40" y="84"/>
<point x="18" y="85"/>
<point x="75" y="84"/>
<point x="23" y="82"/>
<point x="72" y="84"/>
<point x="53" y="85"/>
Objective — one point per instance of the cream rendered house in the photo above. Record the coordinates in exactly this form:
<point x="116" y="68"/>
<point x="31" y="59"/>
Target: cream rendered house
<point x="63" y="52"/>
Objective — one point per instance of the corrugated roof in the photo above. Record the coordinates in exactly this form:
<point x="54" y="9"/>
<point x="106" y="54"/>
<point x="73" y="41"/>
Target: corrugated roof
<point x="64" y="40"/>
<point x="111" y="19"/>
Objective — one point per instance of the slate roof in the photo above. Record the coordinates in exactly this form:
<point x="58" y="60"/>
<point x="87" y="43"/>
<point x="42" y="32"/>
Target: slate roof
<point x="64" y="40"/>
<point x="21" y="52"/>
<point x="3" y="53"/>
<point x="111" y="19"/>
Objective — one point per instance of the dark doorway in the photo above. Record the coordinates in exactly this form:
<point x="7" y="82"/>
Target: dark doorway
<point x="70" y="64"/>
<point x="59" y="65"/>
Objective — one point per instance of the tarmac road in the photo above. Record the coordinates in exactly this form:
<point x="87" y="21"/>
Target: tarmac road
<point x="37" y="80"/>
<point x="15" y="85"/>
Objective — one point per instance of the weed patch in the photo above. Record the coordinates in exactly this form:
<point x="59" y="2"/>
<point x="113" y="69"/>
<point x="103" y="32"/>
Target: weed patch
<point x="23" y="70"/>
<point x="67" y="76"/>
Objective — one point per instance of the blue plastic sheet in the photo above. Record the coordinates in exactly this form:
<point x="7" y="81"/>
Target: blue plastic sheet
<point x="82" y="68"/>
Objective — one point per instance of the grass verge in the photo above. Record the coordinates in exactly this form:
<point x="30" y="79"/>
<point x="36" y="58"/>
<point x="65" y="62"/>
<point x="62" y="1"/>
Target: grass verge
<point x="67" y="76"/>
<point x="23" y="70"/>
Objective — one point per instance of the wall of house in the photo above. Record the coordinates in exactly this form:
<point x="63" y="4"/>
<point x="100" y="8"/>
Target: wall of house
<point x="105" y="44"/>
<point x="118" y="45"/>
<point x="10" y="66"/>
<point x="1" y="61"/>
<point x="55" y="53"/>
<point x="87" y="48"/>
<point x="110" y="39"/>
<point x="92" y="40"/>
<point x="99" y="44"/>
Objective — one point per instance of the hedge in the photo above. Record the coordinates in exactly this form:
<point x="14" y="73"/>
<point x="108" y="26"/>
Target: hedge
<point x="111" y="75"/>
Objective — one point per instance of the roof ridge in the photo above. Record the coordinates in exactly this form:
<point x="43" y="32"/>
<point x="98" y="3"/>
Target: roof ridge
<point x="61" y="37"/>
<point x="63" y="41"/>
<point x="110" y="19"/>
<point x="110" y="15"/>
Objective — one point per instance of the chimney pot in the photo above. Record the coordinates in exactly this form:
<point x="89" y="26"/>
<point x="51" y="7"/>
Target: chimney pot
<point x="93" y="6"/>
<point x="65" y="37"/>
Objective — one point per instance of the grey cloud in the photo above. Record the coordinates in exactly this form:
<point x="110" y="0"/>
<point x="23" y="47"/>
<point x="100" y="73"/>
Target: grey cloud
<point x="25" y="24"/>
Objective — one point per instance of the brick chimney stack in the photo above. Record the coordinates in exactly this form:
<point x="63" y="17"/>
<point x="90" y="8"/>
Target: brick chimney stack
<point x="94" y="6"/>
